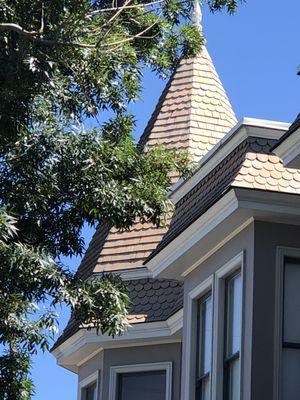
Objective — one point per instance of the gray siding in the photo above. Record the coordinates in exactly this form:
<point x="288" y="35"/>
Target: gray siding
<point x="133" y="355"/>
<point x="268" y="236"/>
<point x="244" y="241"/>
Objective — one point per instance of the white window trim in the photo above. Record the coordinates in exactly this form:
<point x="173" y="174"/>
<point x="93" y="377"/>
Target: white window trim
<point x="216" y="284"/>
<point x="236" y="263"/>
<point x="160" y="366"/>
<point x="281" y="254"/>
<point x="86" y="382"/>
<point x="189" y="353"/>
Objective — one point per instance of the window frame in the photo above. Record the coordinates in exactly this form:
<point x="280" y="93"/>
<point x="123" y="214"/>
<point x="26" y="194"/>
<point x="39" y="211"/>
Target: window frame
<point x="190" y="342"/>
<point x="283" y="253"/>
<point x="147" y="367"/>
<point x="233" y="356"/>
<point x="86" y="382"/>
<point x="216" y="284"/>
<point x="199" y="342"/>
<point x="232" y="267"/>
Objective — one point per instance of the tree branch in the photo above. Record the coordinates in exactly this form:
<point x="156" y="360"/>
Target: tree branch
<point x="103" y="10"/>
<point x="17" y="28"/>
<point x="20" y="30"/>
<point x="139" y="35"/>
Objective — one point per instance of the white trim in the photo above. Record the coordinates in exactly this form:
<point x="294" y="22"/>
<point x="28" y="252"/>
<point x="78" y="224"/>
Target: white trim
<point x="245" y="128"/>
<point x="281" y="253"/>
<point x="88" y="381"/>
<point x="85" y="359"/>
<point x="137" y="273"/>
<point x="194" y="233"/>
<point x="217" y="247"/>
<point x="128" y="274"/>
<point x="289" y="150"/>
<point x="160" y="366"/>
<point x="236" y="263"/>
<point x="234" y="208"/>
<point x="137" y="335"/>
<point x="188" y="362"/>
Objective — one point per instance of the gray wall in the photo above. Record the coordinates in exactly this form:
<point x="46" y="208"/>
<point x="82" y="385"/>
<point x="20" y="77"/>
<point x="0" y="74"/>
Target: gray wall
<point x="133" y="355"/>
<point x="267" y="237"/>
<point x="259" y="241"/>
<point x="242" y="242"/>
<point x="91" y="366"/>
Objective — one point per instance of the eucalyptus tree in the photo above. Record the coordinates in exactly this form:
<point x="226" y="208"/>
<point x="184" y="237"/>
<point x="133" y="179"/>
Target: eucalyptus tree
<point x="63" y="65"/>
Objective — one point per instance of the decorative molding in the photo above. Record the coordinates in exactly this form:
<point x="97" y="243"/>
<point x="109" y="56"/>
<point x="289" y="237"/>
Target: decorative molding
<point x="137" y="334"/>
<point x="160" y="366"/>
<point x="88" y="381"/>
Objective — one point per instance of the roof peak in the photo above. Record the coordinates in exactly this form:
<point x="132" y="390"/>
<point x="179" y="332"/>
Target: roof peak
<point x="193" y="112"/>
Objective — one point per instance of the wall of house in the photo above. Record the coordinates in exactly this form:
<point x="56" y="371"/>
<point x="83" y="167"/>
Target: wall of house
<point x="268" y="236"/>
<point x="133" y="355"/>
<point x="243" y="242"/>
<point x="90" y="367"/>
<point x="259" y="241"/>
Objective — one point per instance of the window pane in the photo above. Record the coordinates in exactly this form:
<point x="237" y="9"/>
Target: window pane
<point x="234" y="314"/>
<point x="233" y="321"/>
<point x="205" y="335"/>
<point x="142" y="386"/>
<point x="90" y="392"/>
<point x="234" y="380"/>
<point x="290" y="374"/>
<point x="291" y="302"/>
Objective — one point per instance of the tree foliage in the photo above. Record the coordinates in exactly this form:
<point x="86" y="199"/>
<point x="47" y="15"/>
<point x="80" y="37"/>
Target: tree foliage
<point x="63" y="63"/>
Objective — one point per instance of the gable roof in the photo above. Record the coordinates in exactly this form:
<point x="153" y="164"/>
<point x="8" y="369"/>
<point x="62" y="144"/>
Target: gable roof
<point x="192" y="114"/>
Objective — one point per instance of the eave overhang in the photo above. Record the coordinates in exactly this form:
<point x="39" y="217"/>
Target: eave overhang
<point x="224" y="220"/>
<point x="289" y="150"/>
<point x="85" y="344"/>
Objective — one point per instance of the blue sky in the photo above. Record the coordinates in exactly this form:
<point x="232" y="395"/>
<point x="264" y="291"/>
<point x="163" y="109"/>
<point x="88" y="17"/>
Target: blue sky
<point x="256" y="53"/>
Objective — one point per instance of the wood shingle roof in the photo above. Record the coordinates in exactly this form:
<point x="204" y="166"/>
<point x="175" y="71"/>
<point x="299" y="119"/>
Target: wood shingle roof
<point x="192" y="114"/>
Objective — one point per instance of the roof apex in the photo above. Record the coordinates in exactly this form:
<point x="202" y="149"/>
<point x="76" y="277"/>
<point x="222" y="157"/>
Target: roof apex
<point x="193" y="112"/>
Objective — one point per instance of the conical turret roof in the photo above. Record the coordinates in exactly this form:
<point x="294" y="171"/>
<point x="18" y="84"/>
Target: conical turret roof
<point x="192" y="114"/>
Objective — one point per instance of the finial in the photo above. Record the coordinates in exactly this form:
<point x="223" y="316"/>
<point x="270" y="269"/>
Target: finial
<point x="197" y="13"/>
